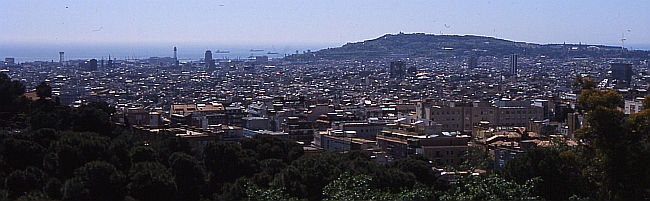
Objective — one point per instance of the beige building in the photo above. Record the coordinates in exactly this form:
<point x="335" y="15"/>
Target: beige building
<point x="442" y="148"/>
<point x="464" y="116"/>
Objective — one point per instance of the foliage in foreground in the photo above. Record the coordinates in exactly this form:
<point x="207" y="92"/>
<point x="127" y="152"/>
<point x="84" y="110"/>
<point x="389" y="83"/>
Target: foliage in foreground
<point x="53" y="152"/>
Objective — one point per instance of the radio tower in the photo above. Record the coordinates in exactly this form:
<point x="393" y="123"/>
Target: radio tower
<point x="623" y="40"/>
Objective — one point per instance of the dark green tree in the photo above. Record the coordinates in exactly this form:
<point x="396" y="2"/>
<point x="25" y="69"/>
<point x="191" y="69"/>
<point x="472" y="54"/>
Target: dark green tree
<point x="306" y="176"/>
<point x="581" y="83"/>
<point x="476" y="158"/>
<point x="560" y="171"/>
<point x="43" y="136"/>
<point x="268" y="146"/>
<point x="227" y="161"/>
<point x="614" y="145"/>
<point x="43" y="91"/>
<point x="9" y="93"/>
<point x="53" y="188"/>
<point x="490" y="188"/>
<point x="119" y="154"/>
<point x="348" y="187"/>
<point x="233" y="191"/>
<point x="143" y="154"/>
<point x="267" y="170"/>
<point x="151" y="181"/>
<point x="253" y="192"/>
<point x="96" y="180"/>
<point x="40" y="120"/>
<point x="169" y="143"/>
<point x="19" y="154"/>
<point x="103" y="106"/>
<point x="189" y="175"/>
<point x="92" y="118"/>
<point x="74" y="149"/>
<point x="20" y="182"/>
<point x="638" y="152"/>
<point x="394" y="180"/>
<point x="359" y="187"/>
<point x="34" y="196"/>
<point x="591" y="99"/>
<point x="422" y="171"/>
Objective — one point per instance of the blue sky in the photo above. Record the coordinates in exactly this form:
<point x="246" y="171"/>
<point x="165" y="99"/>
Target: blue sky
<point x="331" y="22"/>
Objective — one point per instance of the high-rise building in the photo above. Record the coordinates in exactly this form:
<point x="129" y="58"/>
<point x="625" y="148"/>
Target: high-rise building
<point x="91" y="65"/>
<point x="10" y="61"/>
<point x="110" y="62"/>
<point x="622" y="72"/>
<point x="208" y="59"/>
<point x="61" y="57"/>
<point x="397" y="69"/>
<point x="261" y="59"/>
<point x="513" y="64"/>
<point x="412" y="70"/>
<point x="175" y="58"/>
<point x="472" y="62"/>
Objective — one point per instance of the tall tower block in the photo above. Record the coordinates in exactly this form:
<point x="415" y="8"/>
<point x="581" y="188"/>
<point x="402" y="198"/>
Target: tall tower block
<point x="208" y="59"/>
<point x="61" y="57"/>
<point x="513" y="64"/>
<point x="175" y="58"/>
<point x="622" y="72"/>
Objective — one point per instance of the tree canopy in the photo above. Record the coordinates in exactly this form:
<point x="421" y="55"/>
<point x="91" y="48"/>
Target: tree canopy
<point x="53" y="152"/>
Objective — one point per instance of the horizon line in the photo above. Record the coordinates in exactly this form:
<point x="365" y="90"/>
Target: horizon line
<point x="298" y="42"/>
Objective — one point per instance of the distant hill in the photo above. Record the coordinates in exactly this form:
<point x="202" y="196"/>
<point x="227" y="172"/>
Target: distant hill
<point x="431" y="45"/>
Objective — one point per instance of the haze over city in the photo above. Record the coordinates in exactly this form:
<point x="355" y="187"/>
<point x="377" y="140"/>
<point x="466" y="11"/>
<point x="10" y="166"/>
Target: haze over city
<point x="322" y="23"/>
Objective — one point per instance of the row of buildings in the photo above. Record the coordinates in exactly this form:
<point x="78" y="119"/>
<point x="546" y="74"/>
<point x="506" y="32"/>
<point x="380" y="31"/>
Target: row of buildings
<point x="389" y="107"/>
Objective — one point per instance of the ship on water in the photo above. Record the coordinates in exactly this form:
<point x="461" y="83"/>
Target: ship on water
<point x="256" y="50"/>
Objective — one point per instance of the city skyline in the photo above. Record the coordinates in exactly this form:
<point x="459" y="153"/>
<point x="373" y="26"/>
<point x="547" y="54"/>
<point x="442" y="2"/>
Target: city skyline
<point x="190" y="52"/>
<point x="320" y="23"/>
<point x="203" y="100"/>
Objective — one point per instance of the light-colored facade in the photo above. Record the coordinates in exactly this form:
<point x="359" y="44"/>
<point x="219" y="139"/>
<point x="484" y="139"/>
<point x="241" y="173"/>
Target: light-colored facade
<point x="464" y="116"/>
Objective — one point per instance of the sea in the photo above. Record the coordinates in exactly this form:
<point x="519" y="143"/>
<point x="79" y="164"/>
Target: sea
<point x="30" y="52"/>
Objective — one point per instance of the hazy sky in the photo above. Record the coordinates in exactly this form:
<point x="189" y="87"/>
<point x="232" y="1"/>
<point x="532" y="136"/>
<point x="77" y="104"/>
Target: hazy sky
<point x="330" y="22"/>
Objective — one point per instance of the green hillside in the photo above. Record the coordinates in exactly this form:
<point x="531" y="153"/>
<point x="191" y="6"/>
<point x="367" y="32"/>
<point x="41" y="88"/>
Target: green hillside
<point x="430" y="45"/>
